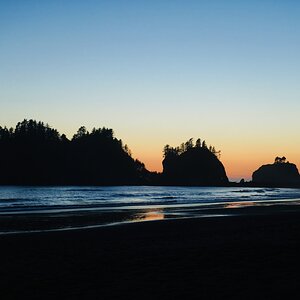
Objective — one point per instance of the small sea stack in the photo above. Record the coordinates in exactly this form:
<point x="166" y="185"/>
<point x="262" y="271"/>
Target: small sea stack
<point x="280" y="173"/>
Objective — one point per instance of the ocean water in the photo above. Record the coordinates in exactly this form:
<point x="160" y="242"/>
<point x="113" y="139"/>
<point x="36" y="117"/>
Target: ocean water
<point x="25" y="209"/>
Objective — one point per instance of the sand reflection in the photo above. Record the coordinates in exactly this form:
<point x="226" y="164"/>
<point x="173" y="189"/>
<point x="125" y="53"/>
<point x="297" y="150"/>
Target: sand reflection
<point x="239" y="204"/>
<point x="149" y="215"/>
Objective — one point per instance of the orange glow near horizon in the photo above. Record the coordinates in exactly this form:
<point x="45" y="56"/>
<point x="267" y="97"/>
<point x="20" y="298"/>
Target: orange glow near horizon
<point x="227" y="72"/>
<point x="240" y="156"/>
<point x="237" y="166"/>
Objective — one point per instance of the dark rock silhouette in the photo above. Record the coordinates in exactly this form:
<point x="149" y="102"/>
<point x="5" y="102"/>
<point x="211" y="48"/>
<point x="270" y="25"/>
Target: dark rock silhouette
<point x="193" y="165"/>
<point x="35" y="154"/>
<point x="279" y="173"/>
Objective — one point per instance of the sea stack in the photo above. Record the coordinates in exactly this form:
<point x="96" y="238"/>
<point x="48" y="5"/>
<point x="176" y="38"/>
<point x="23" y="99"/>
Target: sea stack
<point x="197" y="166"/>
<point x="280" y="173"/>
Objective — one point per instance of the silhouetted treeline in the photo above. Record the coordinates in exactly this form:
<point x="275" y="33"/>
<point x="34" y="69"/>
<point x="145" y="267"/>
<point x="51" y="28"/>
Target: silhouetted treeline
<point x="35" y="154"/>
<point x="175" y="151"/>
<point x="190" y="164"/>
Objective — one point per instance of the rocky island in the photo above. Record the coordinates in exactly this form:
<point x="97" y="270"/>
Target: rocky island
<point x="191" y="164"/>
<point x="280" y="173"/>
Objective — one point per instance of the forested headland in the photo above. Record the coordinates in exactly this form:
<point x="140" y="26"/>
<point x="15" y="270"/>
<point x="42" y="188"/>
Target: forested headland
<point x="33" y="153"/>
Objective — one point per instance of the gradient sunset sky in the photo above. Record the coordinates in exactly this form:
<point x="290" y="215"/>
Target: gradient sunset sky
<point x="158" y="72"/>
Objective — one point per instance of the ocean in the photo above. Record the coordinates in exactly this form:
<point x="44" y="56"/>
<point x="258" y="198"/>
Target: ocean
<point x="30" y="209"/>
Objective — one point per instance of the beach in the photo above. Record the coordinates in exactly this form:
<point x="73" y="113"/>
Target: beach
<point x="245" y="257"/>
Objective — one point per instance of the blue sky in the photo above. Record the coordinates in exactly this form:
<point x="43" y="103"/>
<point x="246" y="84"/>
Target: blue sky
<point x="158" y="72"/>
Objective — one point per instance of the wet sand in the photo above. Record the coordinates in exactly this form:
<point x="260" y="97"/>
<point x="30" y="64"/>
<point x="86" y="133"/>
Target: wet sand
<point x="242" y="257"/>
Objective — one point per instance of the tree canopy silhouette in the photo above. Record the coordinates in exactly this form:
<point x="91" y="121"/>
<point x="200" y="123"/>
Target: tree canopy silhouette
<point x="280" y="160"/>
<point x="189" y="144"/>
<point x="190" y="164"/>
<point x="34" y="153"/>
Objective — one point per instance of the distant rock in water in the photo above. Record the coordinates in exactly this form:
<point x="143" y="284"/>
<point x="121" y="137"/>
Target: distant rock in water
<point x="197" y="165"/>
<point x="279" y="173"/>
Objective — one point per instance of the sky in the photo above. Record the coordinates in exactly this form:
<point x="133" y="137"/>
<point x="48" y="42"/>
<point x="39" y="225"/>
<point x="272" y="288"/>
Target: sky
<point x="158" y="72"/>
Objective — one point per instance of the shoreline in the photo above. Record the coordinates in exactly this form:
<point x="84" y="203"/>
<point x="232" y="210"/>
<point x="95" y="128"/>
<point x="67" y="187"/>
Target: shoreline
<point x="249" y="256"/>
<point x="77" y="219"/>
<point x="245" y="184"/>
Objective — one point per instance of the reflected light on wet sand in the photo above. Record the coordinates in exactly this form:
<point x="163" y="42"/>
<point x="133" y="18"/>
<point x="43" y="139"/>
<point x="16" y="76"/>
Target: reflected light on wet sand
<point x="239" y="204"/>
<point x="149" y="215"/>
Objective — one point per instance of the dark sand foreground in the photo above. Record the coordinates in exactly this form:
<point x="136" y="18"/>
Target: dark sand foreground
<point x="242" y="257"/>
